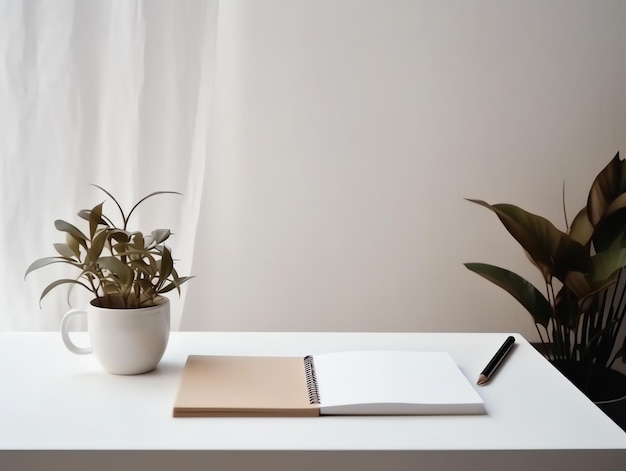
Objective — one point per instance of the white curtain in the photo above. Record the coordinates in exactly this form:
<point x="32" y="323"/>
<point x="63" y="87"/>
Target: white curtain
<point x="115" y="93"/>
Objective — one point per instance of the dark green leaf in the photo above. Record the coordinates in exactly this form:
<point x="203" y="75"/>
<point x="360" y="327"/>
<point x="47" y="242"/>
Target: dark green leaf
<point x="550" y="249"/>
<point x="581" y="229"/>
<point x="525" y="293"/>
<point x="607" y="191"/>
<point x="583" y="285"/>
<point x="610" y="230"/>
<point x="566" y="308"/>
<point x="608" y="262"/>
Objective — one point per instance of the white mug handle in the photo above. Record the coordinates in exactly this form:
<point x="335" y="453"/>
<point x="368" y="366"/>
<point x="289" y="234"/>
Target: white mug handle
<point x="65" y="334"/>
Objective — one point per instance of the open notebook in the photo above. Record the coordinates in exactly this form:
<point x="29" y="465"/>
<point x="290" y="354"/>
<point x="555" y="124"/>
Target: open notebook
<point x="342" y="383"/>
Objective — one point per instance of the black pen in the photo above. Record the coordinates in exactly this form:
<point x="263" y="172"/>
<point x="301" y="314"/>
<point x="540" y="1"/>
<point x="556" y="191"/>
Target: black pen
<point x="496" y="360"/>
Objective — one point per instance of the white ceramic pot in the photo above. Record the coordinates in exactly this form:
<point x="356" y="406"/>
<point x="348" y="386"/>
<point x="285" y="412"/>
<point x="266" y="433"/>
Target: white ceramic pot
<point x="125" y="341"/>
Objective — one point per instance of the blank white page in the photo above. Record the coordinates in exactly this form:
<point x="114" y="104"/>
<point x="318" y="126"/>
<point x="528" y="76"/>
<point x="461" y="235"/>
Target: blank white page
<point x="393" y="382"/>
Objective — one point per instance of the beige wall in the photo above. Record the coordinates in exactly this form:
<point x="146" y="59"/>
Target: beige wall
<point x="348" y="133"/>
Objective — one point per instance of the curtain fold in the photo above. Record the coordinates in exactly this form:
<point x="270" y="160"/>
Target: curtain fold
<point x="114" y="93"/>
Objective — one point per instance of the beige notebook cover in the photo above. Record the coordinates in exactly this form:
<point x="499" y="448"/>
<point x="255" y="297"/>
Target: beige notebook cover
<point x="341" y="383"/>
<point x="227" y="386"/>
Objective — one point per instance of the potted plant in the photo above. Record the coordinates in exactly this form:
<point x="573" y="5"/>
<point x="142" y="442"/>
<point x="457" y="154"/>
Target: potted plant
<point x="580" y="317"/>
<point x="128" y="272"/>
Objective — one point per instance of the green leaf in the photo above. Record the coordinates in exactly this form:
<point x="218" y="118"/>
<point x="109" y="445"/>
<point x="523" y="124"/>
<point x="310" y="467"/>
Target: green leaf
<point x="608" y="262"/>
<point x="71" y="230"/>
<point x="610" y="230"/>
<point x="119" y="235"/>
<point x="166" y="265"/>
<point x="119" y="206"/>
<point x="64" y="251"/>
<point x="60" y="282"/>
<point x="581" y="229"/>
<point x="84" y="214"/>
<point x="607" y="191"/>
<point x="138" y="240"/>
<point x="550" y="250"/>
<point x="584" y="285"/>
<point x="567" y="308"/>
<point x="160" y="235"/>
<point x="118" y="270"/>
<point x="147" y="288"/>
<point x="42" y="262"/>
<point x="605" y="266"/>
<point x="95" y="219"/>
<point x="73" y="245"/>
<point x="525" y="293"/>
<point x="143" y="267"/>
<point x="145" y="198"/>
<point x="97" y="245"/>
<point x="175" y="284"/>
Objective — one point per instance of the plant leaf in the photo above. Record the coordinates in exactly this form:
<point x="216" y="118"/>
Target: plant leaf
<point x="605" y="189"/>
<point x="584" y="285"/>
<point x="97" y="245"/>
<point x="42" y="262"/>
<point x="73" y="245"/>
<point x="95" y="219"/>
<point x="64" y="250"/>
<point x="138" y="241"/>
<point x="118" y="270"/>
<point x="160" y="235"/>
<point x="71" y="230"/>
<point x="581" y="229"/>
<point x="60" y="282"/>
<point x="608" y="262"/>
<point x="147" y="288"/>
<point x="145" y="198"/>
<point x="550" y="250"/>
<point x="525" y="293"/>
<point x="175" y="284"/>
<point x="166" y="265"/>
<point x="566" y="308"/>
<point x="119" y="206"/>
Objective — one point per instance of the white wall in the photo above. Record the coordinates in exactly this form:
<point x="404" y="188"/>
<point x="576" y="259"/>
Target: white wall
<point x="348" y="133"/>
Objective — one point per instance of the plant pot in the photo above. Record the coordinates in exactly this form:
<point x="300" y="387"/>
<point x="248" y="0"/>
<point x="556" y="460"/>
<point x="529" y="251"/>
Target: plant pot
<point x="616" y="410"/>
<point x="606" y="387"/>
<point x="124" y="341"/>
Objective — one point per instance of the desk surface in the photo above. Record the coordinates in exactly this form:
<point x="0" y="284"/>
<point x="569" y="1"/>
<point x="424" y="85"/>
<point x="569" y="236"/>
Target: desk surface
<point x="52" y="400"/>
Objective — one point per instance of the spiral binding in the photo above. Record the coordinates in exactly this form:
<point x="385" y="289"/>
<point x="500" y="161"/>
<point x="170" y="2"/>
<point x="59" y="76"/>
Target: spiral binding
<point x="311" y="380"/>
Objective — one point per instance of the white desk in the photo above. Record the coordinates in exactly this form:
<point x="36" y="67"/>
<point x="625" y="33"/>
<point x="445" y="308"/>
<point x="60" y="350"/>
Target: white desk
<point x="61" y="411"/>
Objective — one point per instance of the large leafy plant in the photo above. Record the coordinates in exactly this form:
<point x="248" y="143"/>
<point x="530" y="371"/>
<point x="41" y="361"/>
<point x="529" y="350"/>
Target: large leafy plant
<point x="122" y="268"/>
<point x="580" y="313"/>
